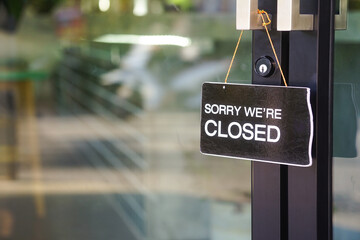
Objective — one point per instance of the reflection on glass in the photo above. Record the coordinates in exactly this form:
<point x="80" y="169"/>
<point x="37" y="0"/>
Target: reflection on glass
<point x="346" y="172"/>
<point x="108" y="147"/>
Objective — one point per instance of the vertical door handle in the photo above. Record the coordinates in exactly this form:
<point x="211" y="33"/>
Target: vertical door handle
<point x="247" y="17"/>
<point x="341" y="18"/>
<point x="289" y="17"/>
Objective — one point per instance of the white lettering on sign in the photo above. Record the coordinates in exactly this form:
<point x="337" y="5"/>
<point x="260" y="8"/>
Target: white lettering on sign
<point x="207" y="128"/>
<point x="249" y="112"/>
<point x="219" y="129"/>
<point x="259" y="132"/>
<point x="247" y="131"/>
<point x="270" y="113"/>
<point x="222" y="109"/>
<point x="237" y="110"/>
<point x="269" y="139"/>
<point x="238" y="129"/>
<point x="232" y="110"/>
<point x="247" y="128"/>
<point x="277" y="114"/>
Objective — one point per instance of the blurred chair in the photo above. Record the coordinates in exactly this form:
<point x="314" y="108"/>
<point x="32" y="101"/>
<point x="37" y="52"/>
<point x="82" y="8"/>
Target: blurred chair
<point x="18" y="121"/>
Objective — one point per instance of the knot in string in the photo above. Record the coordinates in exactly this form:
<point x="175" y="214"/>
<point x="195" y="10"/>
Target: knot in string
<point x="262" y="16"/>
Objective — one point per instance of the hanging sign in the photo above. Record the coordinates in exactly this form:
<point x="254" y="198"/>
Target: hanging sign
<point x="260" y="123"/>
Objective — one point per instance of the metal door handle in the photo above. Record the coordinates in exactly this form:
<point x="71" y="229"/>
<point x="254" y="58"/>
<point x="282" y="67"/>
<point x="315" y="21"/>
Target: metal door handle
<point x="247" y="17"/>
<point x="289" y="17"/>
<point x="341" y="18"/>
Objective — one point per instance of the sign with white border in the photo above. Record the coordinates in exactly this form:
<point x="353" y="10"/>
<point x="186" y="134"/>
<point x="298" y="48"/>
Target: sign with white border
<point x="272" y="124"/>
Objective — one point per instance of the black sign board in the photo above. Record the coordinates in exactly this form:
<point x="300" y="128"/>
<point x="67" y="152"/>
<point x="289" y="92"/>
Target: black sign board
<point x="260" y="123"/>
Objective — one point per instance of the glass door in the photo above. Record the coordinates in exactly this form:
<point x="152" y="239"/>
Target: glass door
<point x="101" y="121"/>
<point x="346" y="173"/>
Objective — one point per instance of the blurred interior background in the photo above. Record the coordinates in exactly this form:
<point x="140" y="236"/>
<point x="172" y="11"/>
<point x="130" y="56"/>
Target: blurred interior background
<point x="99" y="121"/>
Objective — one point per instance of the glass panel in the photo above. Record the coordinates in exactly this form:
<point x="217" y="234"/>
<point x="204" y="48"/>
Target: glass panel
<point x="108" y="146"/>
<point x="346" y="183"/>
